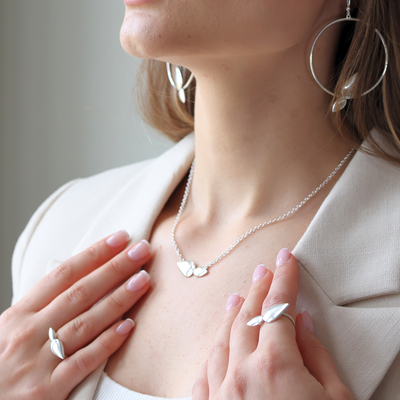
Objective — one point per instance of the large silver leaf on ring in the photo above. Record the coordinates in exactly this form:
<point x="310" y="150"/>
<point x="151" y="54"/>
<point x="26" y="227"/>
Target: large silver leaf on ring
<point x="256" y="321"/>
<point x="275" y="312"/>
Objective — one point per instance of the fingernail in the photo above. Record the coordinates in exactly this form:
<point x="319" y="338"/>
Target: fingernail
<point x="259" y="272"/>
<point x="118" y="239"/>
<point x="282" y="257"/>
<point x="233" y="301"/>
<point x="139" y="250"/>
<point x="125" y="327"/>
<point x="138" y="281"/>
<point x="307" y="321"/>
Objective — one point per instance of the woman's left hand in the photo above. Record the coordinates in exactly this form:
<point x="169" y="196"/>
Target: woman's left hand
<point x="273" y="360"/>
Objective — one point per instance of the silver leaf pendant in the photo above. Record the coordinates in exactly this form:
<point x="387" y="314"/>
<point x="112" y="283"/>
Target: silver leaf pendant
<point x="186" y="267"/>
<point x="200" y="271"/>
<point x="275" y="312"/>
<point x="256" y="321"/>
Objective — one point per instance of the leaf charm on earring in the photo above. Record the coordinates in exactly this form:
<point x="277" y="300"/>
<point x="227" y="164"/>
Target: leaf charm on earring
<point x="347" y="92"/>
<point x="179" y="85"/>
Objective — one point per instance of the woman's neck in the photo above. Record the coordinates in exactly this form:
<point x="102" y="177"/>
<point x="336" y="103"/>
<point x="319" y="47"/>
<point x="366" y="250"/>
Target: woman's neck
<point x="263" y="139"/>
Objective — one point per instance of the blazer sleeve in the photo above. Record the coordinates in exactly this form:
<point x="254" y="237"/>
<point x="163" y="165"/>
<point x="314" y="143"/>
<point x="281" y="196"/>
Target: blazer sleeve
<point x="27" y="233"/>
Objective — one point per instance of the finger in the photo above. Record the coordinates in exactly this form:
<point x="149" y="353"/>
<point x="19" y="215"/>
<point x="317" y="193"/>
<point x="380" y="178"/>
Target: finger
<point x="283" y="290"/>
<point x="316" y="357"/>
<point x="200" y="388"/>
<point x="82" y="295"/>
<point x="73" y="269"/>
<point x="86" y="327"/>
<point x="219" y="356"/>
<point x="244" y="339"/>
<point x="71" y="371"/>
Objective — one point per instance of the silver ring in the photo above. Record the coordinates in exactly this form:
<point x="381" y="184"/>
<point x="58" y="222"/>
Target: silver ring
<point x="272" y="314"/>
<point x="56" y="346"/>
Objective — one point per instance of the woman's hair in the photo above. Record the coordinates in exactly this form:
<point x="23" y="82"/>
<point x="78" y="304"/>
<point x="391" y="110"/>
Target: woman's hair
<point x="360" y="50"/>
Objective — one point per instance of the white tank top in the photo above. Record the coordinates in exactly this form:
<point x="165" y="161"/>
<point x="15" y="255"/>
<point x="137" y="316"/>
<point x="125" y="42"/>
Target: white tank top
<point x="107" y="389"/>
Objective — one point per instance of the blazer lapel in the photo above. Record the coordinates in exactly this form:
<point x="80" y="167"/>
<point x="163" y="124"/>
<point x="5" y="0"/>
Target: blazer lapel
<point x="350" y="253"/>
<point x="339" y="258"/>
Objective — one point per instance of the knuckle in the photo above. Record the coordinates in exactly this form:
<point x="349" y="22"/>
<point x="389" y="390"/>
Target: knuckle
<point x="7" y="315"/>
<point x="84" y="363"/>
<point x="199" y="387"/>
<point x="63" y="272"/>
<point x="93" y="252"/>
<point x="115" y="302"/>
<point x="272" y="300"/>
<point x="106" y="345"/>
<point x="80" y="326"/>
<point x="241" y="319"/>
<point x="78" y="292"/>
<point x="116" y="267"/>
<point x="18" y="340"/>
<point x="237" y="383"/>
<point x="341" y="392"/>
<point x="270" y="366"/>
<point x="38" y="391"/>
<point x="217" y="349"/>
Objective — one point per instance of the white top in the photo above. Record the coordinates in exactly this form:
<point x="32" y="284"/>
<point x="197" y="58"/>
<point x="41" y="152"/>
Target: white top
<point x="107" y="389"/>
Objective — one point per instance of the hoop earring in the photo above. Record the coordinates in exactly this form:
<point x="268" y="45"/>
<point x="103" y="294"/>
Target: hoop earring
<point x="178" y="85"/>
<point x="347" y="89"/>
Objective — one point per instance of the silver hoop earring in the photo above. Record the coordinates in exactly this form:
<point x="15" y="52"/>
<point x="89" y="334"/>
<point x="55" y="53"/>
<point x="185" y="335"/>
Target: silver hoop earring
<point x="347" y="89"/>
<point x="178" y="85"/>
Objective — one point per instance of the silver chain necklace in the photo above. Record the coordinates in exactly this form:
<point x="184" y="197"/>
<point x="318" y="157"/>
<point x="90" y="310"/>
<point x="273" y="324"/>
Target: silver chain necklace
<point x="188" y="268"/>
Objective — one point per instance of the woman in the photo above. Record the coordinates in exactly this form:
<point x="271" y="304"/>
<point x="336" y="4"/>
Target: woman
<point x="264" y="138"/>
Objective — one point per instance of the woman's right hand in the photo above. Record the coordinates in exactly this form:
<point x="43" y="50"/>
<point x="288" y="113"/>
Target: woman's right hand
<point x="63" y="300"/>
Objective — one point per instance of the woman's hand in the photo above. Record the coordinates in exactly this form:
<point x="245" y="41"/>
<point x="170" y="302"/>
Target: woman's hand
<point x="274" y="360"/>
<point x="63" y="300"/>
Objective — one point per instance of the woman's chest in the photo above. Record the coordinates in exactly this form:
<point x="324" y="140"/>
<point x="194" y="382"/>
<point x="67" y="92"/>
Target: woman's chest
<point x="177" y="319"/>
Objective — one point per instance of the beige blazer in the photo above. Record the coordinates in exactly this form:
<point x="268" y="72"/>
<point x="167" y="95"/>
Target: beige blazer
<point x="349" y="256"/>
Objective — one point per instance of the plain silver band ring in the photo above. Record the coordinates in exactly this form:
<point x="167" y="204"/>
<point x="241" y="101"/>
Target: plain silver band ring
<point x="291" y="318"/>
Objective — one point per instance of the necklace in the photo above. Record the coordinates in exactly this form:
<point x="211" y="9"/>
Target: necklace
<point x="188" y="268"/>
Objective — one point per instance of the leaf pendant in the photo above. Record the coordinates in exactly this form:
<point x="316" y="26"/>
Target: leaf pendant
<point x="275" y="312"/>
<point x="200" y="272"/>
<point x="186" y="267"/>
<point x="57" y="348"/>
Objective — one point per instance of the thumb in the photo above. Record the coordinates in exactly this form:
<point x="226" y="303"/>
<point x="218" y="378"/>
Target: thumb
<point x="316" y="357"/>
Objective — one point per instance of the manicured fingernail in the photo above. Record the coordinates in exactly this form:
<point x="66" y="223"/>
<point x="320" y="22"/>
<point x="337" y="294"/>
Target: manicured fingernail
<point x="139" y="250"/>
<point x="307" y="321"/>
<point x="282" y="257"/>
<point x="125" y="327"/>
<point x="259" y="272"/>
<point x="118" y="239"/>
<point x="138" y="281"/>
<point x="233" y="301"/>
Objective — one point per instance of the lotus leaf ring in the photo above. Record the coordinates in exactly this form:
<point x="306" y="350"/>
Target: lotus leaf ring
<point x="272" y="314"/>
<point x="56" y="345"/>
